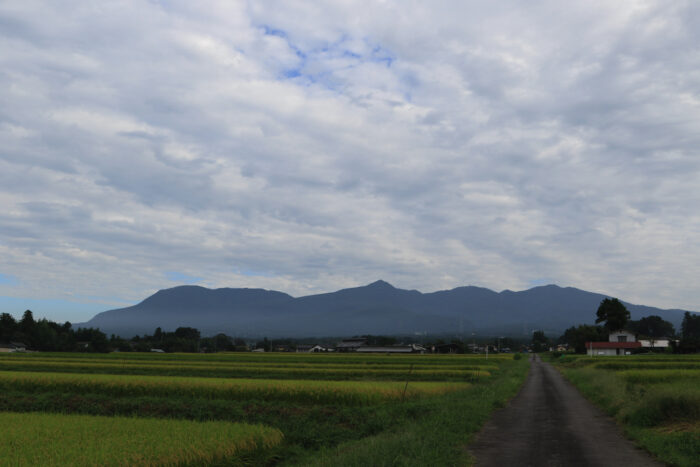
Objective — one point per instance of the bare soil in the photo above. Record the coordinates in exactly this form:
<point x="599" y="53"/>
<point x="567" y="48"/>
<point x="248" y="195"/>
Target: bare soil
<point x="549" y="423"/>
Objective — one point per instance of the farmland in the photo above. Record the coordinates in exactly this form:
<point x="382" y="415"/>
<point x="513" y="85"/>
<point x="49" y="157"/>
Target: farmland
<point x="243" y="408"/>
<point x="655" y="398"/>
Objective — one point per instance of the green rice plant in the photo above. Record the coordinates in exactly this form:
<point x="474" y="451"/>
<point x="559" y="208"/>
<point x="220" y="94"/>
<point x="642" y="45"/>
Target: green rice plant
<point x="28" y="439"/>
<point x="300" y="391"/>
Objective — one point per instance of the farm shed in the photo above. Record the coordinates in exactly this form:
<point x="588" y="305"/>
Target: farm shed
<point x="13" y="347"/>
<point x="350" y="345"/>
<point x="660" y="343"/>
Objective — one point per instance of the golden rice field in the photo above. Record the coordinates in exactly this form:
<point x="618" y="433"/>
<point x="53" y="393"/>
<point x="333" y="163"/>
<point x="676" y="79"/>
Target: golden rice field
<point x="301" y="391"/>
<point x="40" y="439"/>
<point x="230" y="408"/>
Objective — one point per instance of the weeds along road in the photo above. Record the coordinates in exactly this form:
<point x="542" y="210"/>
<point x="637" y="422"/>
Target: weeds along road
<point x="549" y="423"/>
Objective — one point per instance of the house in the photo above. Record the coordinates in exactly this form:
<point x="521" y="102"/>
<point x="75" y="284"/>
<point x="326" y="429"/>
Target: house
<point x="350" y="345"/>
<point x="621" y="336"/>
<point x="13" y="347"/>
<point x="619" y="343"/>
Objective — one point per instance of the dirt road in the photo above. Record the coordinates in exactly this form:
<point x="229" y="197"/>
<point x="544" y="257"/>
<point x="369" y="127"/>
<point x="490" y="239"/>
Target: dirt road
<point x="549" y="423"/>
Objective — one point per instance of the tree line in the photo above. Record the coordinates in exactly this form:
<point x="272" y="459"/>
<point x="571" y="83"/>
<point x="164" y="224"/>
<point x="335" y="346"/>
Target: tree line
<point x="48" y="336"/>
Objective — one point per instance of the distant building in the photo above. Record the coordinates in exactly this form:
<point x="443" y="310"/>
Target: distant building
<point x="13" y="347"/>
<point x="350" y="345"/>
<point x="310" y="348"/>
<point x="660" y="343"/>
<point x="450" y="348"/>
<point x="621" y="336"/>
<point x="413" y="348"/>
<point x="619" y="343"/>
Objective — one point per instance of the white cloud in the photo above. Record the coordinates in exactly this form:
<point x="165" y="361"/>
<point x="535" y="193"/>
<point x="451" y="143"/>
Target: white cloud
<point x="306" y="147"/>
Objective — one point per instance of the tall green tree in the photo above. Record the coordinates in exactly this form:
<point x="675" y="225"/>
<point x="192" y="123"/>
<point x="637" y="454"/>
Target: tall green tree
<point x="8" y="327"/>
<point x="540" y="343"/>
<point x="577" y="336"/>
<point x="690" y="333"/>
<point x="613" y="313"/>
<point x="652" y="327"/>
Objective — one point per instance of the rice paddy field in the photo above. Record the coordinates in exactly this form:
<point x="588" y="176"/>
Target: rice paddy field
<point x="656" y="398"/>
<point x="248" y="409"/>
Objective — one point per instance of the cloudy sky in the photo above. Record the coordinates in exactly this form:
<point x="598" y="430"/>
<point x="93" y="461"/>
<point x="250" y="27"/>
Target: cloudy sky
<point x="311" y="146"/>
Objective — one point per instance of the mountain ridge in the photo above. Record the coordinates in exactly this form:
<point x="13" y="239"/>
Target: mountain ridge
<point x="376" y="308"/>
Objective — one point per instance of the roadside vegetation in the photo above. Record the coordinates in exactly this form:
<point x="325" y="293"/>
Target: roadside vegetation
<point x="655" y="398"/>
<point x="278" y="409"/>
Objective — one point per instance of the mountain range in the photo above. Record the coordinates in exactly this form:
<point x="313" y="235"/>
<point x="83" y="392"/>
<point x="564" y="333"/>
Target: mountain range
<point x="377" y="308"/>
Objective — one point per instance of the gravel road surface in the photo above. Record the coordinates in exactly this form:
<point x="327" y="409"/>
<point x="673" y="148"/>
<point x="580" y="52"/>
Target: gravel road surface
<point x="549" y="423"/>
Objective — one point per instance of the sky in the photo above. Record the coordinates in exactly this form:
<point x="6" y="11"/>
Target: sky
<point x="309" y="146"/>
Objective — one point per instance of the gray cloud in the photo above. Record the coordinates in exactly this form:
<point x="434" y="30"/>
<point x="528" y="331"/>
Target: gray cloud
<point x="307" y="147"/>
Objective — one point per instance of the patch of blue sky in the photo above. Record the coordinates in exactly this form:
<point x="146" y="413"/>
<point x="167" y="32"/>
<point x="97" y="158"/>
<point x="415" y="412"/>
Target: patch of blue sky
<point x="293" y="73"/>
<point x="7" y="279"/>
<point x="270" y="31"/>
<point x="58" y="310"/>
<point x="180" y="277"/>
<point x="380" y="54"/>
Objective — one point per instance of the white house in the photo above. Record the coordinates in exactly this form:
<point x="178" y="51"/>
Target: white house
<point x="619" y="343"/>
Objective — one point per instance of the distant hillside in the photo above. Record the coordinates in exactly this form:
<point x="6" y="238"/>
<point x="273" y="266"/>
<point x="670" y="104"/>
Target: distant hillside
<point x="377" y="308"/>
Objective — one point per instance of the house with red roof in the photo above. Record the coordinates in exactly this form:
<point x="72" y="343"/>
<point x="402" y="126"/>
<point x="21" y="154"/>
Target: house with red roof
<point x="619" y="343"/>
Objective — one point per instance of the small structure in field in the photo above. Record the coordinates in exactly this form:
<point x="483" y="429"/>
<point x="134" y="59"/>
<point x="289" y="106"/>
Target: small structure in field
<point x="412" y="348"/>
<point x="350" y="345"/>
<point x="310" y="348"/>
<point x="661" y="343"/>
<point x="13" y="347"/>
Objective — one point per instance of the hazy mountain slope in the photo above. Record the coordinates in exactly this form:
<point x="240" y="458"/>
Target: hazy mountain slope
<point x="377" y="308"/>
